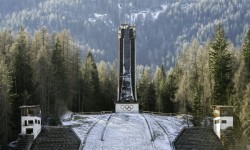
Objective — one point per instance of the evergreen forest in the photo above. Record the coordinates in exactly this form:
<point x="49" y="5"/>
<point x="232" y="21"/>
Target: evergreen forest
<point x="48" y="69"/>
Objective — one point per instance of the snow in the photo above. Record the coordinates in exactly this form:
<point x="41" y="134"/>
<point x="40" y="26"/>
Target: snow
<point x="92" y="20"/>
<point x="121" y="131"/>
<point x="143" y="14"/>
<point x="100" y="16"/>
<point x="152" y="14"/>
<point x="157" y="13"/>
<point x="97" y="17"/>
<point x="129" y="133"/>
<point x="66" y="116"/>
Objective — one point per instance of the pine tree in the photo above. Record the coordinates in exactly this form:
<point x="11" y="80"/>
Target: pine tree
<point x="105" y="86"/>
<point x="185" y="70"/>
<point x="192" y="72"/>
<point x="241" y="80"/>
<point x="246" y="55"/>
<point x="197" y="107"/>
<point x="245" y="115"/>
<point x="91" y="85"/>
<point x="71" y="54"/>
<point x="151" y="97"/>
<point x="185" y="74"/>
<point x="6" y="41"/>
<point x="113" y="75"/>
<point x="220" y="68"/>
<point x="22" y="74"/>
<point x="5" y="104"/>
<point x="59" y="85"/>
<point x="21" y="77"/>
<point x="74" y="74"/>
<point x="142" y="92"/>
<point x="41" y="68"/>
<point x="159" y="81"/>
<point x="169" y="91"/>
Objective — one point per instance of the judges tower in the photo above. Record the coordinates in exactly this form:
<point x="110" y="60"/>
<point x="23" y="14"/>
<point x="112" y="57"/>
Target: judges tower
<point x="126" y="99"/>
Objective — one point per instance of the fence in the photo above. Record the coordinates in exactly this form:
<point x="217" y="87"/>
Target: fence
<point x="95" y="112"/>
<point x="166" y="114"/>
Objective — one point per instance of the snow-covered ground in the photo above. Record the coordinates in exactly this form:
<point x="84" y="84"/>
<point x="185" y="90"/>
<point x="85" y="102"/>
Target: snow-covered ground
<point x="124" y="131"/>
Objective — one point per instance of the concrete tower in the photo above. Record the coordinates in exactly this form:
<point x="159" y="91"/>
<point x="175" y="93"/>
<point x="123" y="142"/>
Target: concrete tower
<point x="31" y="120"/>
<point x="126" y="99"/>
<point x="223" y="118"/>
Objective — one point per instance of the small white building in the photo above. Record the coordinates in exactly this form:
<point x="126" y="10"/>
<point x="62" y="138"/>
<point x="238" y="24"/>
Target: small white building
<point x="31" y="120"/>
<point x="223" y="118"/>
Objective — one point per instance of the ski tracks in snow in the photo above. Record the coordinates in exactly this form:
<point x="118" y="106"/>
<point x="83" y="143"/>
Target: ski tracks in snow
<point x="94" y="137"/>
<point x="125" y="131"/>
<point x="159" y="133"/>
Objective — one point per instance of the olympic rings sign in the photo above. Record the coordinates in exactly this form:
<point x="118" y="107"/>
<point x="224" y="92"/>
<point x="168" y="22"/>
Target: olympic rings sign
<point x="127" y="107"/>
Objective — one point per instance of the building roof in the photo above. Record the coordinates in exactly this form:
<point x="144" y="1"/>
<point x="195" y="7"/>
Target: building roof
<point x="197" y="138"/>
<point x="62" y="138"/>
<point x="124" y="26"/>
<point x="29" y="106"/>
<point x="220" y="106"/>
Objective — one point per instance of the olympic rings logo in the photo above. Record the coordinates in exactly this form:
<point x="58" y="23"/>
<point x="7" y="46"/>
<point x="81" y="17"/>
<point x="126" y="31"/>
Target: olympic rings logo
<point x="127" y="107"/>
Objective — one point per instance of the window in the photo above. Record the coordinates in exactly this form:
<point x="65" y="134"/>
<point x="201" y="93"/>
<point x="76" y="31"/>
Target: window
<point x="223" y="112"/>
<point x="223" y="121"/>
<point x="30" y="122"/>
<point x="35" y="121"/>
<point x="216" y="121"/>
<point x="38" y="121"/>
<point x="31" y="112"/>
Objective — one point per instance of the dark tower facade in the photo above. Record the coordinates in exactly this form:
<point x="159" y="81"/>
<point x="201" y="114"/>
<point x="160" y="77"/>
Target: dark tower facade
<point x="127" y="60"/>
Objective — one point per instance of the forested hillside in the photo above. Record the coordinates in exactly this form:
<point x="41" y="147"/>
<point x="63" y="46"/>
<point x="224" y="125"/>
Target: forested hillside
<point x="162" y="26"/>
<point x="47" y="69"/>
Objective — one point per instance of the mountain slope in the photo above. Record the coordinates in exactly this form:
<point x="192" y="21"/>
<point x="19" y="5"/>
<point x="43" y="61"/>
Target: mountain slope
<point x="162" y="26"/>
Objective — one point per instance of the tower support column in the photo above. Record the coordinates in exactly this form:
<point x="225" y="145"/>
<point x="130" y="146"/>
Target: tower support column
<point x="126" y="98"/>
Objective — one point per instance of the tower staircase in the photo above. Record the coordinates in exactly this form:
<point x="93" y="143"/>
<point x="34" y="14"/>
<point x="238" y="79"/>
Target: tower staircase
<point x="228" y="139"/>
<point x="24" y="142"/>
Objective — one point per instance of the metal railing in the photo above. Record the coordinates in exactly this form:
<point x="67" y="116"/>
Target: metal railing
<point x="95" y="112"/>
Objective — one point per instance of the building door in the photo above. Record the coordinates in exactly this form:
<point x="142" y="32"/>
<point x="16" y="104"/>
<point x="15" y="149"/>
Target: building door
<point x="29" y="131"/>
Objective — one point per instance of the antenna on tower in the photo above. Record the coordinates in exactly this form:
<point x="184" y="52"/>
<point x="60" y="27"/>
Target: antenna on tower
<point x="125" y="12"/>
<point x="119" y="9"/>
<point x="131" y="5"/>
<point x="120" y="6"/>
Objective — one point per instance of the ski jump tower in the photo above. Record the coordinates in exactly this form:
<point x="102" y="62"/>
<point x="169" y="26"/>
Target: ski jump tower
<point x="126" y="99"/>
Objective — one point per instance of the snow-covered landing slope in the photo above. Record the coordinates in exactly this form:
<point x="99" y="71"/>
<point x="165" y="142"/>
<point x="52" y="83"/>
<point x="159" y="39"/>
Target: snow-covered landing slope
<point x="126" y="131"/>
